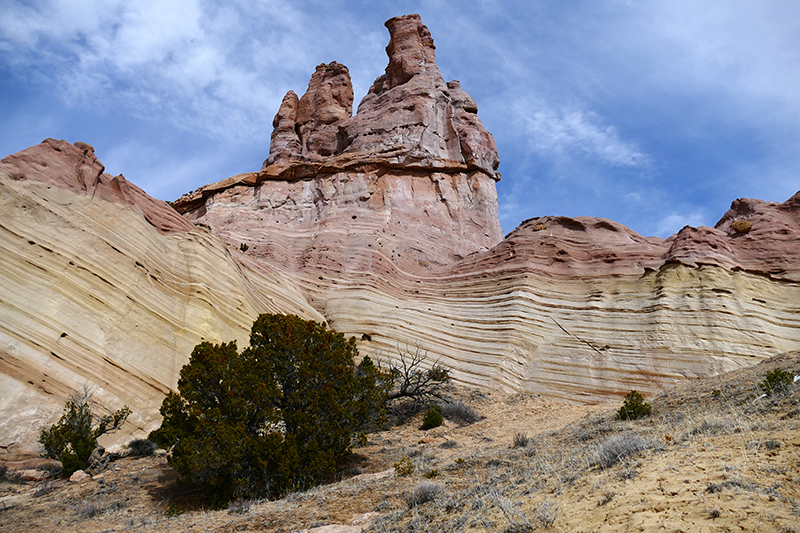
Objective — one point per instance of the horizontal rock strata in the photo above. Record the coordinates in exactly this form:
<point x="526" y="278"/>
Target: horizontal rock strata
<point x="102" y="286"/>
<point x="384" y="223"/>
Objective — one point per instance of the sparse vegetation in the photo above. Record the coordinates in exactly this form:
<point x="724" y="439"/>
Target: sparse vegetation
<point x="520" y="440"/>
<point x="433" y="418"/>
<point x="423" y="493"/>
<point x="634" y="407"/>
<point x="776" y="381"/>
<point x="72" y="439"/>
<point x="460" y="413"/>
<point x="404" y="467"/>
<point x="618" y="447"/>
<point x="728" y="453"/>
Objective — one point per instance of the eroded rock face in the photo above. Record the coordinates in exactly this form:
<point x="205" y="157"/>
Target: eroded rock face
<point x="390" y="235"/>
<point x="409" y="119"/>
<point x="106" y="287"/>
<point x="408" y="182"/>
<point x="76" y="168"/>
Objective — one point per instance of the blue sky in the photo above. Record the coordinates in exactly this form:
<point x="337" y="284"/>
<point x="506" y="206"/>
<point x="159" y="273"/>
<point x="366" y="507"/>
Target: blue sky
<point x="653" y="114"/>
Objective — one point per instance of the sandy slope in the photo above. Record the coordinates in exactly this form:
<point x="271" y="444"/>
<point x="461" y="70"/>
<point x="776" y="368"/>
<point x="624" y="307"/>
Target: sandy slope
<point x="711" y="462"/>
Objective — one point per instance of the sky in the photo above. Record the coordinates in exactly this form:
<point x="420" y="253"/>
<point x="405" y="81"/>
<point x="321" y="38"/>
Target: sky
<point x="654" y="114"/>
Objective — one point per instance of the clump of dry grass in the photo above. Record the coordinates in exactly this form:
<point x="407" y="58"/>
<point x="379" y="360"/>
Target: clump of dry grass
<point x="618" y="447"/>
<point x="423" y="493"/>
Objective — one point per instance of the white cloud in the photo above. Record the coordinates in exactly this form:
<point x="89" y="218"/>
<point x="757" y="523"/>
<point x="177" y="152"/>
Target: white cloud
<point x="564" y="134"/>
<point x="674" y="222"/>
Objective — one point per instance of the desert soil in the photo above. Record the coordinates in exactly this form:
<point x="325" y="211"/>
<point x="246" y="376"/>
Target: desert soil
<point x="712" y="457"/>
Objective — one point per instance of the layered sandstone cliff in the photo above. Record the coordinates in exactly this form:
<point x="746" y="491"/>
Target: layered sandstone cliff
<point x="384" y="224"/>
<point x="406" y="182"/>
<point x="103" y="286"/>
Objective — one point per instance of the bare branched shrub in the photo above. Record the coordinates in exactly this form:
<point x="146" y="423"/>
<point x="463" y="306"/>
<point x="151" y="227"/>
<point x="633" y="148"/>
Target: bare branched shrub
<point x="239" y="506"/>
<point x="89" y="509"/>
<point x="424" y="492"/>
<point x="619" y="447"/>
<point x="45" y="488"/>
<point x="411" y="380"/>
<point x="460" y="412"/>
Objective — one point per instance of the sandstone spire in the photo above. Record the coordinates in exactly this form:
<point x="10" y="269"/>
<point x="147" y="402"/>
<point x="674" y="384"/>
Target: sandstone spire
<point x="410" y="118"/>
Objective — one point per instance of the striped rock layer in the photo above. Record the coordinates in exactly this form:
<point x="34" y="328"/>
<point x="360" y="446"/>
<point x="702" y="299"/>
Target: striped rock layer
<point x="384" y="224"/>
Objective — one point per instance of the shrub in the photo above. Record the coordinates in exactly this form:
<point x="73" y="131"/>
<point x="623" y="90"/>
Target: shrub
<point x="634" y="407"/>
<point x="243" y="247"/>
<point x="618" y="447"/>
<point x="141" y="447"/>
<point x="173" y="510"/>
<point x="72" y="439"/>
<point x="432" y="474"/>
<point x="423" y="493"/>
<point x="460" y="412"/>
<point x="404" y="467"/>
<point x="408" y="380"/>
<point x="275" y="416"/>
<point x="433" y="418"/>
<point x="520" y="440"/>
<point x="776" y="381"/>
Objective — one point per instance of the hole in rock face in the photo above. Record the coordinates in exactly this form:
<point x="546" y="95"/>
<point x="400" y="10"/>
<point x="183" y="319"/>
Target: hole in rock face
<point x="354" y="217"/>
<point x="366" y="337"/>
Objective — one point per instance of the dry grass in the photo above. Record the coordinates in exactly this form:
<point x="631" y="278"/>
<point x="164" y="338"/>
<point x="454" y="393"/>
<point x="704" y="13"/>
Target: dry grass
<point x="704" y="460"/>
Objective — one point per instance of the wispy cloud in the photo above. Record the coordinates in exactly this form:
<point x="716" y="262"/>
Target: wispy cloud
<point x="562" y="134"/>
<point x="675" y="221"/>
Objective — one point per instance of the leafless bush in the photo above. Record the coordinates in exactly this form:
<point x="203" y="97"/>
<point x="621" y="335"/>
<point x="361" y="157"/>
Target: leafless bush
<point x="460" y="412"/>
<point x="46" y="488"/>
<point x="89" y="509"/>
<point x="410" y="380"/>
<point x="619" y="447"/>
<point x="424" y="492"/>
<point x="449" y="444"/>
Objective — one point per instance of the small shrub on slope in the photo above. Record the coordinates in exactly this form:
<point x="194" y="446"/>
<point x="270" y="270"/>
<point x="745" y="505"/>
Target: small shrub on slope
<point x="72" y="439"/>
<point x="433" y="418"/>
<point x="776" y="381"/>
<point x="634" y="407"/>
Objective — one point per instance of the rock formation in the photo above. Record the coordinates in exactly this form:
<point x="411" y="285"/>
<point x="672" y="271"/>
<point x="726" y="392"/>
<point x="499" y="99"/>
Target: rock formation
<point x="384" y="224"/>
<point x="105" y="287"/>
<point x="408" y="182"/>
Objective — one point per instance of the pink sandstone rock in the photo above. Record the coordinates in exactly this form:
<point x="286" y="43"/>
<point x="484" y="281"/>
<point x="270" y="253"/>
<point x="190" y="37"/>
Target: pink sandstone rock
<point x="409" y="119"/>
<point x="76" y="168"/>
<point x="407" y="182"/>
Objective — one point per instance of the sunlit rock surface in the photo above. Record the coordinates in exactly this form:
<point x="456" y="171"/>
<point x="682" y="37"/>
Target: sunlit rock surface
<point x="105" y="287"/>
<point x="384" y="224"/>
